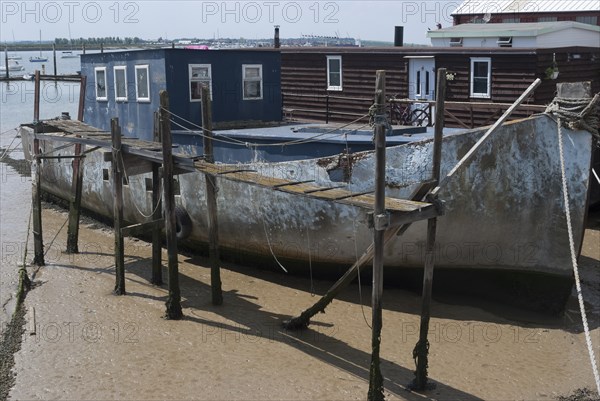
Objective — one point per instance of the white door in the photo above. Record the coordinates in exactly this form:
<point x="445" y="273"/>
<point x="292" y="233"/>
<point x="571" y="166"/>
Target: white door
<point x="421" y="78"/>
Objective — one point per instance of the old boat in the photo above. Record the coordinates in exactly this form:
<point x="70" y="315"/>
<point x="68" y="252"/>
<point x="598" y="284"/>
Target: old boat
<point x="504" y="212"/>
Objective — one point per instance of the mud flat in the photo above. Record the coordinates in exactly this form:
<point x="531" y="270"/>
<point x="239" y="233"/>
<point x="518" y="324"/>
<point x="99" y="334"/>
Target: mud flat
<point x="90" y="345"/>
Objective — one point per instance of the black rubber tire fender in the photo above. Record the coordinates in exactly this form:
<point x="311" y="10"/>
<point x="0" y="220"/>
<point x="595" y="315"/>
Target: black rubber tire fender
<point x="183" y="223"/>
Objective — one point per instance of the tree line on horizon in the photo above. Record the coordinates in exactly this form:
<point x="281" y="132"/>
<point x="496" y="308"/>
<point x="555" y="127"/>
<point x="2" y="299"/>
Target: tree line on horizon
<point x="109" y="40"/>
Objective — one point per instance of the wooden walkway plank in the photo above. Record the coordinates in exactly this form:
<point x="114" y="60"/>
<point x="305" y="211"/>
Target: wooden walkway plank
<point x="153" y="151"/>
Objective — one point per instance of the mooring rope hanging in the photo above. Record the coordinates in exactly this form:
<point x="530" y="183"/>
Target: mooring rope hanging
<point x="122" y="163"/>
<point x="8" y="150"/>
<point x="55" y="236"/>
<point x="596" y="175"/>
<point x="577" y="114"/>
<point x="362" y="307"/>
<point x="8" y="130"/>
<point x="267" y="236"/>
<point x="565" y="191"/>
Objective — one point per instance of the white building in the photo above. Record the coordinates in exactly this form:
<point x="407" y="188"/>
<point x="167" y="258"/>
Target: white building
<point x="522" y="35"/>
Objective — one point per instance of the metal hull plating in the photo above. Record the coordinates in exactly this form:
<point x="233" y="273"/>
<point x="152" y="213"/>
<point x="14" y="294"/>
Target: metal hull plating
<point x="503" y="211"/>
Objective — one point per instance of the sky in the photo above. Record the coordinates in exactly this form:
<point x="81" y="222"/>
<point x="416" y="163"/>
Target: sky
<point x="151" y="19"/>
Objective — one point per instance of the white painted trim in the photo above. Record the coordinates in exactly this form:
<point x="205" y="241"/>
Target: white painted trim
<point x="96" y="70"/>
<point x="260" y="67"/>
<point x="489" y="77"/>
<point x="334" y="87"/>
<point x="190" y="80"/>
<point x="147" y="68"/>
<point x="124" y="69"/>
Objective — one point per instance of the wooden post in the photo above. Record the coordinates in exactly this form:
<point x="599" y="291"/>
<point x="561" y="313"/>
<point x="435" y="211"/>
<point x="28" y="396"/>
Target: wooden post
<point x="211" y="201"/>
<point x="156" y="245"/>
<point x="375" y="376"/>
<point x="83" y="47"/>
<point x="101" y="47"/>
<point x="82" y="92"/>
<point x="174" y="300"/>
<point x="54" y="60"/>
<point x="6" y="62"/>
<point x="117" y="185"/>
<point x="421" y="349"/>
<point x="156" y="127"/>
<point x="36" y="98"/>
<point x="77" y="183"/>
<point x="440" y="109"/>
<point x="36" y="190"/>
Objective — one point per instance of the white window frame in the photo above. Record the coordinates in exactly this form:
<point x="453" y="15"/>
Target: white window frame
<point x="244" y="79"/>
<point x="190" y="66"/>
<point x="487" y="60"/>
<point x="96" y="71"/>
<point x="124" y="69"/>
<point x="334" y="87"/>
<point x="147" y="68"/>
<point x="456" y="42"/>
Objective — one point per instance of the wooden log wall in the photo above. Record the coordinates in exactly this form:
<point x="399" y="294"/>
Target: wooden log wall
<point x="305" y="74"/>
<point x="304" y="80"/>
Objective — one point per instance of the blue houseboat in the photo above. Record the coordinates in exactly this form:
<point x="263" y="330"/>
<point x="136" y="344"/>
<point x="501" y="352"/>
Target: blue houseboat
<point x="245" y="86"/>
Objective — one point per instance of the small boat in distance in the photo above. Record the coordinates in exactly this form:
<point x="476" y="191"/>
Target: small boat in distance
<point x="14" y="56"/>
<point x="68" y="54"/>
<point x="40" y="58"/>
<point x="12" y="66"/>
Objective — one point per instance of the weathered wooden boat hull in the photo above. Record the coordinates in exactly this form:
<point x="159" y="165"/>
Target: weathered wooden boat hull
<point x="504" y="211"/>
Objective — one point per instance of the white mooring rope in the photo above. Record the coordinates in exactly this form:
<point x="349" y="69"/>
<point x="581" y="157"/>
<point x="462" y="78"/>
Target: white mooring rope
<point x="586" y="328"/>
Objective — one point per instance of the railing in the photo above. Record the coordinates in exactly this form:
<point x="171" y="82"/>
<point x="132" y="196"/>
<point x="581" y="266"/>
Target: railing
<point x="407" y="112"/>
<point x="326" y="109"/>
<point x="416" y="112"/>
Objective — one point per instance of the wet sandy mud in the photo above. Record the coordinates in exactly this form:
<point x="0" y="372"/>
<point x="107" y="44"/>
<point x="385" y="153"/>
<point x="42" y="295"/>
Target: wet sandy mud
<point x="90" y="344"/>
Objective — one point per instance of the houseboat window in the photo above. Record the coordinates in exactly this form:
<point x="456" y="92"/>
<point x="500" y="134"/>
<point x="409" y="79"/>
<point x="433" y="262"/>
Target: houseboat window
<point x="100" y="73"/>
<point x="456" y="42"/>
<point x="142" y="83"/>
<point x="547" y="19"/>
<point x="334" y="73"/>
<point x="481" y="70"/>
<point x="120" y="83"/>
<point x="505" y="41"/>
<point x="200" y="74"/>
<point x="418" y="88"/>
<point x="252" y="76"/>
<point x="426" y="83"/>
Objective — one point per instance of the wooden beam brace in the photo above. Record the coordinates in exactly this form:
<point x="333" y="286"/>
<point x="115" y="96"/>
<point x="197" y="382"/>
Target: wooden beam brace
<point x="488" y="133"/>
<point x="61" y="157"/>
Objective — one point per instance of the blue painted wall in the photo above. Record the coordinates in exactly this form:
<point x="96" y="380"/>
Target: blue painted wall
<point x="169" y="69"/>
<point x="135" y="117"/>
<point x="227" y="97"/>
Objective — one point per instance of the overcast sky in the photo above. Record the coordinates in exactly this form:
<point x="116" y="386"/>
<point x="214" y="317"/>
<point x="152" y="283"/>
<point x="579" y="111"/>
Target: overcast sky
<point x="373" y="20"/>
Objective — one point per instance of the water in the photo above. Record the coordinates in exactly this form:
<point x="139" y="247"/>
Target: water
<point x="16" y="107"/>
